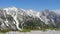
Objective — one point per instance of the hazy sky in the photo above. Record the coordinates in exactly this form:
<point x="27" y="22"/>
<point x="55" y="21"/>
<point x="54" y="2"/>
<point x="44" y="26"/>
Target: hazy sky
<point x="31" y="4"/>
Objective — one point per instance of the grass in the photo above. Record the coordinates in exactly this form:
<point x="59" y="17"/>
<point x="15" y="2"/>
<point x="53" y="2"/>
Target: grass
<point x="4" y="33"/>
<point x="25" y="30"/>
<point x="28" y="30"/>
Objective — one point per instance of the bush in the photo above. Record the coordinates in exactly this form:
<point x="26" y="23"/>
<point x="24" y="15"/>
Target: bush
<point x="25" y="30"/>
<point x="5" y="30"/>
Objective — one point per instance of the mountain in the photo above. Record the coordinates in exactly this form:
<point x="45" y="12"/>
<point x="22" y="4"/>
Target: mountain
<point x="13" y="18"/>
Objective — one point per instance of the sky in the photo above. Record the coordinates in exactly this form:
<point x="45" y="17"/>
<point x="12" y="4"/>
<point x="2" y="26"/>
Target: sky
<point x="31" y="4"/>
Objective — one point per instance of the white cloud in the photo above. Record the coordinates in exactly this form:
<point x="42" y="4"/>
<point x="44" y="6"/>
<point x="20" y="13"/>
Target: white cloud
<point x="57" y="11"/>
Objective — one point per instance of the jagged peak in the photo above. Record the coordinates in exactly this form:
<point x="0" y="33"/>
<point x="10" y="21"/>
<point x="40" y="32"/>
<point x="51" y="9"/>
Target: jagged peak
<point x="11" y="8"/>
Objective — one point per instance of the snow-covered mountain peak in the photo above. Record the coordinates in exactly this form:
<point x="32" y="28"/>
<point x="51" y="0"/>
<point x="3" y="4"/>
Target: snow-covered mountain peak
<point x="31" y="13"/>
<point x="22" y="9"/>
<point x="11" y="8"/>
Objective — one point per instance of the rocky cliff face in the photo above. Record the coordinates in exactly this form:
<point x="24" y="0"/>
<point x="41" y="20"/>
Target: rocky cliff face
<point x="17" y="19"/>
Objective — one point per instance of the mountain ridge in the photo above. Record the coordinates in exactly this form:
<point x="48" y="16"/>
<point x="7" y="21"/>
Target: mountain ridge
<point x="17" y="19"/>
